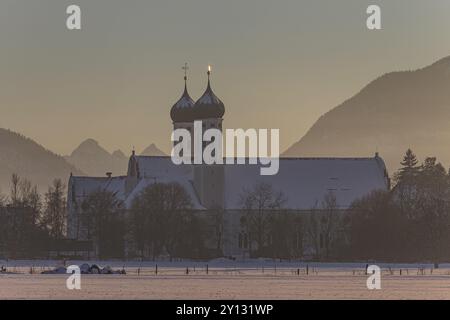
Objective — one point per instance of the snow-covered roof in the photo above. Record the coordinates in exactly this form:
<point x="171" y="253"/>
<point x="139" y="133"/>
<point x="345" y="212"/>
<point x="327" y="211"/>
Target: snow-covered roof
<point x="153" y="169"/>
<point x="303" y="181"/>
<point x="160" y="166"/>
<point x="81" y="187"/>
<point x="306" y="181"/>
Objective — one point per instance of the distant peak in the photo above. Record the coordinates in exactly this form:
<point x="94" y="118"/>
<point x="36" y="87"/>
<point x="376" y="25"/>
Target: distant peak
<point x="89" y="146"/>
<point x="119" y="154"/>
<point x="89" y="142"/>
<point x="152" y="150"/>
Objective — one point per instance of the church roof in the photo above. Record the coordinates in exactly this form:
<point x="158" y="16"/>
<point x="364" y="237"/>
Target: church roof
<point x="160" y="167"/>
<point x="306" y="181"/>
<point x="81" y="187"/>
<point x="303" y="181"/>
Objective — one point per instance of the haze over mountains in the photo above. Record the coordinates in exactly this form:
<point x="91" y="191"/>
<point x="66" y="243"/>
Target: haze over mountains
<point x="152" y="150"/>
<point x="30" y="160"/>
<point x="94" y="160"/>
<point x="397" y="111"/>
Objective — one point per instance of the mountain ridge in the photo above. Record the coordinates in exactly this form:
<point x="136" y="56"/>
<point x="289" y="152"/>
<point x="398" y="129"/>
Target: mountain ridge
<point x="30" y="160"/>
<point x="95" y="160"/>
<point x="394" y="112"/>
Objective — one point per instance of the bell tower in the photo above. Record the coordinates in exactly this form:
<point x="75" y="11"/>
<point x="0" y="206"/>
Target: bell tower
<point x="209" y="179"/>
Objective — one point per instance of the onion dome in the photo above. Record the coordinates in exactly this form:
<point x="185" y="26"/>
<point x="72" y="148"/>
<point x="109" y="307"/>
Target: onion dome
<point x="209" y="105"/>
<point x="182" y="110"/>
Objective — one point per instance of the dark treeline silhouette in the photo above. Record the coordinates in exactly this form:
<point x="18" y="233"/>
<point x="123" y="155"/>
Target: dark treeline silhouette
<point x="163" y="223"/>
<point x="29" y="223"/>
<point x="159" y="223"/>
<point x="268" y="229"/>
<point x="411" y="222"/>
<point x="102" y="216"/>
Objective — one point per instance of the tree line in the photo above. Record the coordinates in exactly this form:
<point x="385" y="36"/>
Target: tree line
<point x="29" y="222"/>
<point x="409" y="222"/>
<point x="160" y="222"/>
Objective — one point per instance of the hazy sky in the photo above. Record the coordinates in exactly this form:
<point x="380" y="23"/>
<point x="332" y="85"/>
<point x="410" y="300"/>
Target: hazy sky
<point x="276" y="64"/>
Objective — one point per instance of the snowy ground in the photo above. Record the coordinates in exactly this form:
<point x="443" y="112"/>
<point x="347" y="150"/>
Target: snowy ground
<point x="255" y="279"/>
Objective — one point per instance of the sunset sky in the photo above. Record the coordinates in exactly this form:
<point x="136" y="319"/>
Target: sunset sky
<point x="276" y="64"/>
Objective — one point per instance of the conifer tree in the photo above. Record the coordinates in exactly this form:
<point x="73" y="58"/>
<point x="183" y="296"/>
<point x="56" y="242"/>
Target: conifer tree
<point x="409" y="167"/>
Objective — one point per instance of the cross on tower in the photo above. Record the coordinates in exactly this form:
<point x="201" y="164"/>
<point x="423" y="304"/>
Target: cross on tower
<point x="185" y="68"/>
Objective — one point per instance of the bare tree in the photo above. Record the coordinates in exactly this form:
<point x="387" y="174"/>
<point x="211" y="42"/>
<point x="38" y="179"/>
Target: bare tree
<point x="15" y="193"/>
<point x="218" y="215"/>
<point x="101" y="215"/>
<point x="3" y="199"/>
<point x="313" y="229"/>
<point x="329" y="221"/>
<point x="24" y="212"/>
<point x="286" y="234"/>
<point x="160" y="216"/>
<point x="258" y="203"/>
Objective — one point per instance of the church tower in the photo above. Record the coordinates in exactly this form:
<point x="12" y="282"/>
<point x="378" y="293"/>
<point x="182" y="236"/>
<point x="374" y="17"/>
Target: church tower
<point x="209" y="179"/>
<point x="182" y="111"/>
<point x="133" y="174"/>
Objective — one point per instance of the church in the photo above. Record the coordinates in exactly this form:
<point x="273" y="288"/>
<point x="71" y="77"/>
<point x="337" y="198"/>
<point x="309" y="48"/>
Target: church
<point x="304" y="182"/>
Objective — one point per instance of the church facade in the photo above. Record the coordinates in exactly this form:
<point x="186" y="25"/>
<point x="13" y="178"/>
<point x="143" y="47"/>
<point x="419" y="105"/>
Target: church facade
<point x="304" y="182"/>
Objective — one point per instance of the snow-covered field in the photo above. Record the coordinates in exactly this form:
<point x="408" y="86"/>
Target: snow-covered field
<point x="222" y="279"/>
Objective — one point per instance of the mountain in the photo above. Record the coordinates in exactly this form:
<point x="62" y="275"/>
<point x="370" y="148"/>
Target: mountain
<point x="93" y="159"/>
<point x="30" y="160"/>
<point x="119" y="155"/>
<point x="152" y="150"/>
<point x="399" y="110"/>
